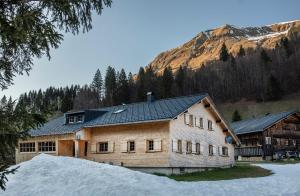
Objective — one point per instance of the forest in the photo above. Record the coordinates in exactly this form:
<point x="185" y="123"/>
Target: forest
<point x="260" y="75"/>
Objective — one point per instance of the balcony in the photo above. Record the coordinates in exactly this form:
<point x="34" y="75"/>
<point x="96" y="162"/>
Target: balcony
<point x="248" y="151"/>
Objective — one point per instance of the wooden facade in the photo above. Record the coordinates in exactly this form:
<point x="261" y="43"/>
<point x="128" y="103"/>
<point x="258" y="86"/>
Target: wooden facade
<point x="283" y="135"/>
<point x="195" y="139"/>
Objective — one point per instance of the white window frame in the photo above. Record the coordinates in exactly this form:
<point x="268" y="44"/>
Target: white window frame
<point x="73" y="119"/>
<point x="82" y="118"/>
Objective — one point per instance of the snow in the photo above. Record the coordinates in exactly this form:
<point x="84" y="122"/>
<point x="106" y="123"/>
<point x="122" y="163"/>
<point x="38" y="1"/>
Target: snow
<point x="50" y="175"/>
<point x="258" y="38"/>
<point x="282" y="23"/>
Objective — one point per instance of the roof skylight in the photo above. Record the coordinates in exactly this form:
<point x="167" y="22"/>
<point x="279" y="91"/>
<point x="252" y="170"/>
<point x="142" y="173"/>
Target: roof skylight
<point x="118" y="111"/>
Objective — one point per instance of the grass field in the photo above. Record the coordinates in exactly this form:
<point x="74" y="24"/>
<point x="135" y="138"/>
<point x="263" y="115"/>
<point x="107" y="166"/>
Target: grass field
<point x="236" y="172"/>
<point x="249" y="109"/>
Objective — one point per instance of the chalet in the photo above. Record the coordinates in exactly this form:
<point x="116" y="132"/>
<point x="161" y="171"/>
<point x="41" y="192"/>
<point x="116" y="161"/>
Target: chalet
<point x="180" y="134"/>
<point x="266" y="136"/>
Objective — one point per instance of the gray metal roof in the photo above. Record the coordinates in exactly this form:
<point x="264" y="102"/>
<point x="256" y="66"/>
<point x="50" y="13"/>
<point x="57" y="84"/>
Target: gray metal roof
<point x="162" y="109"/>
<point x="258" y="124"/>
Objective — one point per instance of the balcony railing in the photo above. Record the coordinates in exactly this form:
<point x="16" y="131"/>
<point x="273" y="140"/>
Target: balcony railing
<point x="248" y="151"/>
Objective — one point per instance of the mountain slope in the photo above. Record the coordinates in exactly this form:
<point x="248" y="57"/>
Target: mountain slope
<point x="205" y="47"/>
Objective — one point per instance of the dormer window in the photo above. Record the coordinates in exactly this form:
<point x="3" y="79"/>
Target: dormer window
<point x="71" y="119"/>
<point x="79" y="118"/>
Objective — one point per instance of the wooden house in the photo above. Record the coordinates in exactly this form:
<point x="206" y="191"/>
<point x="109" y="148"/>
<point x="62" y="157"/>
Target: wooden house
<point x="263" y="137"/>
<point x="174" y="135"/>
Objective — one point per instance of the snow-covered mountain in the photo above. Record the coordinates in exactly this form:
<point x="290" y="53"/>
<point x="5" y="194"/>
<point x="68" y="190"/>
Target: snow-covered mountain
<point x="206" y="46"/>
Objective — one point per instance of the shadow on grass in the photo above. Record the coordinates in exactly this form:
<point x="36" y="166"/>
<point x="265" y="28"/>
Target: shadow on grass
<point x="236" y="172"/>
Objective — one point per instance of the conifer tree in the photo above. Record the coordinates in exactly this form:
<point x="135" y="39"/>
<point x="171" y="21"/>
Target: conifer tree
<point x="167" y="83"/>
<point x="265" y="57"/>
<point x="123" y="88"/>
<point x="97" y="84"/>
<point x="274" y="91"/>
<point x="110" y="86"/>
<point x="236" y="116"/>
<point x="224" y="55"/>
<point x="241" y="51"/>
<point x="141" y="88"/>
<point x="179" y="80"/>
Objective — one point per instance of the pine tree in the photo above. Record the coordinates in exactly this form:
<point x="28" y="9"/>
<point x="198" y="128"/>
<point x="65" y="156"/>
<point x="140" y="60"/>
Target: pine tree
<point x="86" y="98"/>
<point x="236" y="116"/>
<point x="285" y="43"/>
<point x="141" y="88"/>
<point x="265" y="57"/>
<point x="241" y="51"/>
<point x="167" y="83"/>
<point x="110" y="86"/>
<point x="97" y="84"/>
<point x="131" y="88"/>
<point x="224" y="55"/>
<point x="274" y="91"/>
<point x="123" y="88"/>
<point x="179" y="80"/>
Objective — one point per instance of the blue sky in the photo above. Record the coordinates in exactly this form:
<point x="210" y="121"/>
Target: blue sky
<point x="132" y="32"/>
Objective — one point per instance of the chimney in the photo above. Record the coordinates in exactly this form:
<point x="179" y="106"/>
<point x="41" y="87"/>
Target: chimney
<point x="150" y="97"/>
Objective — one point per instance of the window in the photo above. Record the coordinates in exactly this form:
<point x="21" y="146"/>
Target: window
<point x="79" y="118"/>
<point x="47" y="146"/>
<point x="224" y="151"/>
<point x="103" y="147"/>
<point x="131" y="146"/>
<point x="150" y="145"/>
<point x="186" y="119"/>
<point x="191" y="123"/>
<point x="210" y="150"/>
<point x="201" y="123"/>
<point x="179" y="146"/>
<point x="188" y="147"/>
<point x="118" y="111"/>
<point x="27" y="147"/>
<point x="209" y="125"/>
<point x="268" y="140"/>
<point x="71" y="119"/>
<point x="198" y="148"/>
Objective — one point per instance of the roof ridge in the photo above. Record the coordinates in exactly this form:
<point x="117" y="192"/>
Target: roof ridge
<point x="164" y="99"/>
<point x="262" y="116"/>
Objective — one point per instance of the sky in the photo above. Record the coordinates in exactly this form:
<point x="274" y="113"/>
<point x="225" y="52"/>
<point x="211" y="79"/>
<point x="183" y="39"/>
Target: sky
<point x="133" y="32"/>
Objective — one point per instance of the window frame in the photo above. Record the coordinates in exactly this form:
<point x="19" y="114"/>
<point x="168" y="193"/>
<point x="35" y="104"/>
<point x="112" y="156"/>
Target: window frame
<point x="47" y="146"/>
<point x="210" y="150"/>
<point x="99" y="147"/>
<point x="179" y="147"/>
<point x="209" y="125"/>
<point x="150" y="142"/>
<point x="201" y="122"/>
<point x="29" y="148"/>
<point x="73" y="119"/>
<point x="129" y="146"/>
<point x="77" y="119"/>
<point x="226" y="154"/>
<point x="198" y="148"/>
<point x="189" y="146"/>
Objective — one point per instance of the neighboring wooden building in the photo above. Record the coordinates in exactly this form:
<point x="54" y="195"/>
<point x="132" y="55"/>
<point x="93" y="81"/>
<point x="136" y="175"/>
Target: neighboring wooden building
<point x="263" y="137"/>
<point x="173" y="135"/>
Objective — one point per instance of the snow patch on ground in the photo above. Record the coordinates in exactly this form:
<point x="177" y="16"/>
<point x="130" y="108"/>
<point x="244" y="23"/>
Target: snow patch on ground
<point x="49" y="175"/>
